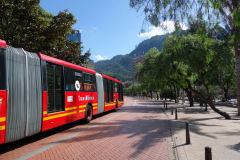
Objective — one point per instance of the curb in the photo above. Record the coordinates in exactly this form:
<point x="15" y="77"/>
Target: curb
<point x="177" y="154"/>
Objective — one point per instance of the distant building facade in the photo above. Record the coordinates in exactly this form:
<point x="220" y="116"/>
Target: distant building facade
<point x="76" y="37"/>
<point x="89" y="63"/>
<point x="135" y="60"/>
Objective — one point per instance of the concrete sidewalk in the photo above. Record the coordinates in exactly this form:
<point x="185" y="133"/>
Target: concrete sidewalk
<point x="206" y="129"/>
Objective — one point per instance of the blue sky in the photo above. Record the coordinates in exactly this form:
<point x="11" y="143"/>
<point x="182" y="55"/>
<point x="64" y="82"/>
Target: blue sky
<point x="108" y="27"/>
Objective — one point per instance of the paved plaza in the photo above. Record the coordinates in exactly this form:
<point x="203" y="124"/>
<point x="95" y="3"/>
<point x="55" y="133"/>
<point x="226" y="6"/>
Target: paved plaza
<point x="206" y="129"/>
<point x="139" y="130"/>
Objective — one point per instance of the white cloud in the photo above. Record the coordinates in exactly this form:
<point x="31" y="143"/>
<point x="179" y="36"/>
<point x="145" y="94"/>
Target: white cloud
<point x="100" y="57"/>
<point x="82" y="30"/>
<point x="94" y="28"/>
<point x="164" y="28"/>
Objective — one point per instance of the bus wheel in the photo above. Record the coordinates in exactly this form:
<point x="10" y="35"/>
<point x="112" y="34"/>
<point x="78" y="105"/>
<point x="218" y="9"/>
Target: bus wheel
<point x="116" y="107"/>
<point x="88" y="114"/>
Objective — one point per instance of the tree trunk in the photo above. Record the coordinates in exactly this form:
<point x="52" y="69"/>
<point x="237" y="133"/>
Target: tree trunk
<point x="210" y="103"/>
<point x="205" y="107"/>
<point x="190" y="97"/>
<point x="226" y="93"/>
<point x="237" y="57"/>
<point x="183" y="96"/>
<point x="222" y="85"/>
<point x="224" y="114"/>
<point x="175" y="93"/>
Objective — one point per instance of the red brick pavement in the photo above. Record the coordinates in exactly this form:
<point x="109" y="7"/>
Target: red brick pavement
<point x="140" y="132"/>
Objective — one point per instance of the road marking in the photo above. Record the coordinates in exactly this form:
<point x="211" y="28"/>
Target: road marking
<point x="66" y="138"/>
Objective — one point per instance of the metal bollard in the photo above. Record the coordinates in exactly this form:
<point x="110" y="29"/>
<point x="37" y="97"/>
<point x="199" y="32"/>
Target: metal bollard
<point x="166" y="106"/>
<point x="208" y="153"/>
<point x="171" y="110"/>
<point x="187" y="133"/>
<point x="176" y="113"/>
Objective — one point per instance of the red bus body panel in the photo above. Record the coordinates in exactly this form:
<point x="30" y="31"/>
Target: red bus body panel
<point x="105" y="76"/>
<point x="3" y="44"/>
<point x="74" y="109"/>
<point x="111" y="105"/>
<point x="3" y="115"/>
<point x="61" y="62"/>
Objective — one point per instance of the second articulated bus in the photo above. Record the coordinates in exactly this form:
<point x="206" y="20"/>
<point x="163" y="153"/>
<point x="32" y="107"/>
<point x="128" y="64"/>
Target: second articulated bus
<point x="39" y="92"/>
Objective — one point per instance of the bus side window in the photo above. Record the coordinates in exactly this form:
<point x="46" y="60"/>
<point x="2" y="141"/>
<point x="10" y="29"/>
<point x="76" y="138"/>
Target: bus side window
<point x="89" y="82"/>
<point x="115" y="87"/>
<point x="78" y="77"/>
<point x="3" y="85"/>
<point x="72" y="79"/>
<point x="110" y="90"/>
<point x="50" y="83"/>
<point x="67" y="79"/>
<point x="94" y="84"/>
<point x="59" y="105"/>
<point x="75" y="80"/>
<point x="106" y="90"/>
<point x="121" y="91"/>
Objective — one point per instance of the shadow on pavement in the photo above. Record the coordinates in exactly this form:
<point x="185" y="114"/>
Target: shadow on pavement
<point x="207" y="127"/>
<point x="235" y="147"/>
<point x="28" y="140"/>
<point x="149" y="129"/>
<point x="146" y="130"/>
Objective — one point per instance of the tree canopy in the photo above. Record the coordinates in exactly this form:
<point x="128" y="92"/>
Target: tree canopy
<point x="186" y="61"/>
<point x="225" y="12"/>
<point x="27" y="25"/>
<point x="215" y="12"/>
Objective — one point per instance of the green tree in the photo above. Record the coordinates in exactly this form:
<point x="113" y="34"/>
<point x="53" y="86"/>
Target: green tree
<point x="153" y="79"/>
<point x="225" y="77"/>
<point x="193" y="59"/>
<point x="146" y="73"/>
<point x="20" y="22"/>
<point x="24" y="24"/>
<point x="157" y="76"/>
<point x="226" y="12"/>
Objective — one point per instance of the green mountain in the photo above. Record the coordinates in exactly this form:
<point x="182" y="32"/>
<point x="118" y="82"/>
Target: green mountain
<point x="120" y="66"/>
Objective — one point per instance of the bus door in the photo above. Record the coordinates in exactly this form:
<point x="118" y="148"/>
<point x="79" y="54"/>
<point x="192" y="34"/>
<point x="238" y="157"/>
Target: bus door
<point x="119" y="92"/>
<point x="110" y="90"/>
<point x="55" y="97"/>
<point x="106" y="90"/>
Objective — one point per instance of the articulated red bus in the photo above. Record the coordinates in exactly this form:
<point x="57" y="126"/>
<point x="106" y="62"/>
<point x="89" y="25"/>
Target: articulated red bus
<point x="39" y="92"/>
